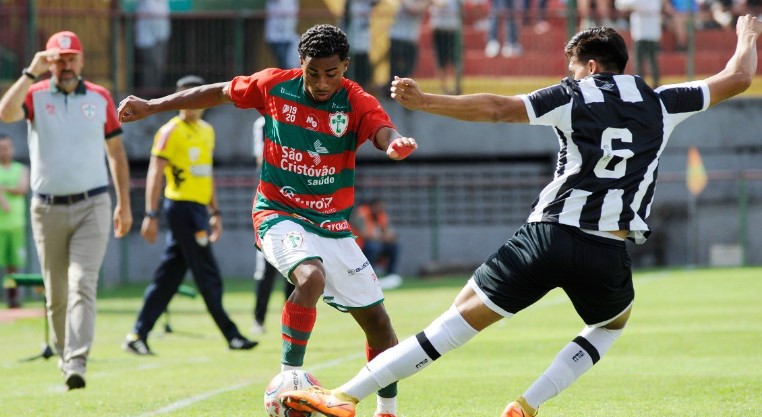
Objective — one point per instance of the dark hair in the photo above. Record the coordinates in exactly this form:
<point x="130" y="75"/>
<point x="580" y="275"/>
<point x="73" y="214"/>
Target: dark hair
<point x="322" y="41"/>
<point x="190" y="81"/>
<point x="601" y="44"/>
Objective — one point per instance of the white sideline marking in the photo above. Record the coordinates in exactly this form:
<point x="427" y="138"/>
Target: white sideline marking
<point x="209" y="394"/>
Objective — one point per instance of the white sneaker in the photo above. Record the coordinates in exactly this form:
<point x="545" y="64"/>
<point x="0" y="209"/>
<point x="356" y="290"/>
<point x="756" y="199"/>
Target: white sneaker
<point x="390" y="282"/>
<point x="512" y="50"/>
<point x="493" y="47"/>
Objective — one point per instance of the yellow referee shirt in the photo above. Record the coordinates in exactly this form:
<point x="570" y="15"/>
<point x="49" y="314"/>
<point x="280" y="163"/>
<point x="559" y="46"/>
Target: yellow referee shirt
<point x="188" y="149"/>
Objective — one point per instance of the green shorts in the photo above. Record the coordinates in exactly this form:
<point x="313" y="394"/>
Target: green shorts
<point x="13" y="248"/>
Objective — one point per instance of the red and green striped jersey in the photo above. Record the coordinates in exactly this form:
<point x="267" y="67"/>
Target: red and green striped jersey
<point x="308" y="170"/>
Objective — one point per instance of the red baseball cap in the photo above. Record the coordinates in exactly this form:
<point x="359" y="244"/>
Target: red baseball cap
<point x="66" y="42"/>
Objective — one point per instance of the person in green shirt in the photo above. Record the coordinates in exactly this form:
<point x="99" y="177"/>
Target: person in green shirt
<point x="14" y="185"/>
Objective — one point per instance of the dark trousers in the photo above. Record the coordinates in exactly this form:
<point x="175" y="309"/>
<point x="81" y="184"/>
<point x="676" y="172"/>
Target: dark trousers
<point x="265" y="288"/>
<point x="182" y="251"/>
<point x="360" y="70"/>
<point x="403" y="58"/>
<point x="375" y="249"/>
<point x="647" y="51"/>
<point x="281" y="51"/>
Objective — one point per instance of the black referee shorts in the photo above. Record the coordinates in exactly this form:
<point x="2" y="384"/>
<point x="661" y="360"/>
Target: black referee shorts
<point x="593" y="271"/>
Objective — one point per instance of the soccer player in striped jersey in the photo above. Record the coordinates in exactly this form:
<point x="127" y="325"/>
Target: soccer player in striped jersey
<point x="612" y="129"/>
<point x="315" y="120"/>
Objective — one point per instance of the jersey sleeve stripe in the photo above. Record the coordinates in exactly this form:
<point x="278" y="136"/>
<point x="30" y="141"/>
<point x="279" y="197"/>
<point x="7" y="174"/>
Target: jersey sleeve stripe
<point x="546" y="100"/>
<point x="628" y="89"/>
<point x="114" y="133"/>
<point x="687" y="97"/>
<point x="590" y="91"/>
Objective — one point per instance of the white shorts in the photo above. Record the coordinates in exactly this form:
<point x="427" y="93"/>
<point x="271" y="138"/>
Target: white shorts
<point x="350" y="281"/>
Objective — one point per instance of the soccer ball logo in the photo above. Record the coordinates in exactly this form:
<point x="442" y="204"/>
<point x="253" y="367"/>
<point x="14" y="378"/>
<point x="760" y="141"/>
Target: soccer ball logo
<point x="294" y="379"/>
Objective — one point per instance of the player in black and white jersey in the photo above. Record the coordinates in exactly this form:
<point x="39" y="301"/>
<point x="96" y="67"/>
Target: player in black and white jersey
<point x="611" y="128"/>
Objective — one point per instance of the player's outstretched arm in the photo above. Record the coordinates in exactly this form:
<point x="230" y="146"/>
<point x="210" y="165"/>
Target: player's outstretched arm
<point x="742" y="66"/>
<point x="203" y="97"/>
<point x="471" y="107"/>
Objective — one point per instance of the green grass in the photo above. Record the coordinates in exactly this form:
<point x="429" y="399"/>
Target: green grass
<point x="693" y="348"/>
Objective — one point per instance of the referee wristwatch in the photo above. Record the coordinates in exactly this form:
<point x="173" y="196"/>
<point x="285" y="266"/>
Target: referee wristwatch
<point x="152" y="214"/>
<point x="26" y="73"/>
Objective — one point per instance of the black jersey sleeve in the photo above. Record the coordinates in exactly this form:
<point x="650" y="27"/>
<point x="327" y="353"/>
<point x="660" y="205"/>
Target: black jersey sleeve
<point x="547" y="105"/>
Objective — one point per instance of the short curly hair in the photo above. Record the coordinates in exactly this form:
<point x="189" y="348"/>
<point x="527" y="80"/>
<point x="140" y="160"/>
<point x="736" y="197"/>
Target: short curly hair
<point x="322" y="41"/>
<point x="601" y="44"/>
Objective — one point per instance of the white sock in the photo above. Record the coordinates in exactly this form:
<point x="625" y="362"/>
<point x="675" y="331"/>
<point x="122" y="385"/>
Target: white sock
<point x="284" y="367"/>
<point x="386" y="405"/>
<point x="570" y="363"/>
<point x="444" y="334"/>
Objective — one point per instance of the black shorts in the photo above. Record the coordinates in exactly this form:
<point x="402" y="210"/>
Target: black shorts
<point x="593" y="271"/>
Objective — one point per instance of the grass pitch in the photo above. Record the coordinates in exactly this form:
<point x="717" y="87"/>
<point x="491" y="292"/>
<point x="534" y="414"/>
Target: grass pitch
<point x="693" y="348"/>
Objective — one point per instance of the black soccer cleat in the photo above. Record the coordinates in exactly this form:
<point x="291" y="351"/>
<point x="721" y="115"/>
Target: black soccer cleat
<point x="74" y="381"/>
<point x="241" y="343"/>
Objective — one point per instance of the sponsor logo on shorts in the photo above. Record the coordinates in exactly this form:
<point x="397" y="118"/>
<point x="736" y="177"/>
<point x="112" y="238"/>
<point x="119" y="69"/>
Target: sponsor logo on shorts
<point x="293" y="240"/>
<point x="357" y="270"/>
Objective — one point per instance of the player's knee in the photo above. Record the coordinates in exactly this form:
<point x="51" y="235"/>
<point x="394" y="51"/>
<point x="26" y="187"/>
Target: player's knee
<point x="309" y="280"/>
<point x="377" y="324"/>
<point x="449" y="331"/>
<point x="379" y="321"/>
<point x="597" y="340"/>
<point x="619" y="322"/>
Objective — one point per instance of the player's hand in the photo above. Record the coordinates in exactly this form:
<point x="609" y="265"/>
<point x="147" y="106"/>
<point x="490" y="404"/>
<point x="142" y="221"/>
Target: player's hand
<point x="122" y="221"/>
<point x="400" y="148"/>
<point x="406" y="92"/>
<point x="133" y="108"/>
<point x="216" y="224"/>
<point x="149" y="230"/>
<point x="749" y="25"/>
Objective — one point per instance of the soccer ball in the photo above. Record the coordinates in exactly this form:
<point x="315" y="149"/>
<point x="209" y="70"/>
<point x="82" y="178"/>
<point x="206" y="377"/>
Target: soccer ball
<point x="294" y="379"/>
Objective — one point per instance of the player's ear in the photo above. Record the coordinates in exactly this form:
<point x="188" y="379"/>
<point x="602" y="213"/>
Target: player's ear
<point x="593" y="67"/>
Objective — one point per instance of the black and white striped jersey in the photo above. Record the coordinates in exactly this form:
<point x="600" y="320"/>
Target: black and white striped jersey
<point x="611" y="130"/>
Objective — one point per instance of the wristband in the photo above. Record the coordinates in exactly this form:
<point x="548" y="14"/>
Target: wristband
<point x="402" y="151"/>
<point x="25" y="72"/>
<point x="152" y="214"/>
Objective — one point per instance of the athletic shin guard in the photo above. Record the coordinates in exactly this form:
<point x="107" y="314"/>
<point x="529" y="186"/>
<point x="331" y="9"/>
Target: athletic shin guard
<point x="297" y="324"/>
<point x="446" y="333"/>
<point x="572" y="361"/>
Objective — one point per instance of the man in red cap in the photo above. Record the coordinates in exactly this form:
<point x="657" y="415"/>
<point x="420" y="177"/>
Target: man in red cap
<point x="72" y="127"/>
